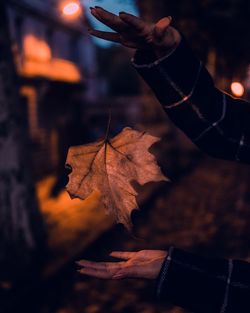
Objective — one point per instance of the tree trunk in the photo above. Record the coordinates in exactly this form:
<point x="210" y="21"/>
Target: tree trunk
<point x="21" y="227"/>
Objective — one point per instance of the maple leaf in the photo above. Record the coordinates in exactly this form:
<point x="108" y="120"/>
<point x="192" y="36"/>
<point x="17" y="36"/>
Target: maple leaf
<point x="110" y="166"/>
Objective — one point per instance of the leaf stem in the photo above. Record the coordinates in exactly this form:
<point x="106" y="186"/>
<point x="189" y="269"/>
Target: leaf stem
<point x="108" y="127"/>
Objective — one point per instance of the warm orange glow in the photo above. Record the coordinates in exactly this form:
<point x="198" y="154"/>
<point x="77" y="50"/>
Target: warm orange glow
<point x="38" y="62"/>
<point x="237" y="89"/>
<point x="36" y="49"/>
<point x="73" y="219"/>
<point x="57" y="69"/>
<point x="71" y="9"/>
<point x="31" y="95"/>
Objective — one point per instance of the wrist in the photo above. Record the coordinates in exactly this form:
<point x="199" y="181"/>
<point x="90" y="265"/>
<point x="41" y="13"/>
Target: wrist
<point x="161" y="52"/>
<point x="166" y="48"/>
<point x="159" y="262"/>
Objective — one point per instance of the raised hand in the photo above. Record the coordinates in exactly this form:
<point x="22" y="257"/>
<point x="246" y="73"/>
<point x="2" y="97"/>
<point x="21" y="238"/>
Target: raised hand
<point x="133" y="32"/>
<point x="142" y="264"/>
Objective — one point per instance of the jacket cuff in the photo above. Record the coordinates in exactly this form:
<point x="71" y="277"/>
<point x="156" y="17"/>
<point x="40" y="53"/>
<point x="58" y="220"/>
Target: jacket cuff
<point x="237" y="299"/>
<point x="163" y="273"/>
<point x="193" y="282"/>
<point x="179" y="71"/>
<point x="147" y="59"/>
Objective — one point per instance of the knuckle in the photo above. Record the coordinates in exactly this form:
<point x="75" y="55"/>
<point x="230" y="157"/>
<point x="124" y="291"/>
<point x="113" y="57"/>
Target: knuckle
<point x="113" y="20"/>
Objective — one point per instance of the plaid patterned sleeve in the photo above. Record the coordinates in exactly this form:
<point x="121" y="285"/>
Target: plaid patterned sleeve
<point x="216" y="122"/>
<point x="204" y="285"/>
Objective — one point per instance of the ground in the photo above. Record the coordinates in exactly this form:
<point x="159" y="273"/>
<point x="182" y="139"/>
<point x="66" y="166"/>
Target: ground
<point x="206" y="211"/>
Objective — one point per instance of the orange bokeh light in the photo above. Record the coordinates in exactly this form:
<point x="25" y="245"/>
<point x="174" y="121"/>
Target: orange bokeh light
<point x="36" y="49"/>
<point x="237" y="89"/>
<point x="38" y="62"/>
<point x="71" y="8"/>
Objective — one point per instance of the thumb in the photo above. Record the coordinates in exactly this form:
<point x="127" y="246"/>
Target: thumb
<point x="161" y="26"/>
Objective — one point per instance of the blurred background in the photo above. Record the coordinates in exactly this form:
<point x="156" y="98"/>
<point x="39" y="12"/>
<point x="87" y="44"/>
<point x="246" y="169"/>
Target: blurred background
<point x="56" y="86"/>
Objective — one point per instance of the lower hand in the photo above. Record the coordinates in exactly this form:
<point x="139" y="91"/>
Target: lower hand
<point x="133" y="32"/>
<point x="143" y="264"/>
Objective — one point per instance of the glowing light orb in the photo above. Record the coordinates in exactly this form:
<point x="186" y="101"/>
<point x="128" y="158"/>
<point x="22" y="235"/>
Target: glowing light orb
<point x="237" y="89"/>
<point x="71" y="8"/>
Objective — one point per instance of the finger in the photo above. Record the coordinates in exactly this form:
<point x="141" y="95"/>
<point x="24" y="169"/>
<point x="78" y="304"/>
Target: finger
<point x="162" y="26"/>
<point x="111" y="20"/>
<point x="114" y="37"/>
<point x="96" y="273"/>
<point x="100" y="265"/>
<point x="91" y="264"/>
<point x="123" y="255"/>
<point x="132" y="21"/>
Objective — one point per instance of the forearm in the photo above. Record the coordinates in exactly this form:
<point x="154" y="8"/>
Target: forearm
<point x="214" y="121"/>
<point x="204" y="285"/>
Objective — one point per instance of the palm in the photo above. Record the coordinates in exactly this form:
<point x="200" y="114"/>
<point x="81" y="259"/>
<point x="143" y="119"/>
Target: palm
<point x="133" y="32"/>
<point x="142" y="264"/>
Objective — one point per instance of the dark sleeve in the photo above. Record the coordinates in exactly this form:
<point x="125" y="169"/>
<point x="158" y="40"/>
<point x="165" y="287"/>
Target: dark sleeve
<point x="204" y="285"/>
<point x="216" y="122"/>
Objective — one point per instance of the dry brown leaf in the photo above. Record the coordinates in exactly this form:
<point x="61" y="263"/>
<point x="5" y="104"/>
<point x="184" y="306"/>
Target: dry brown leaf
<point x="109" y="166"/>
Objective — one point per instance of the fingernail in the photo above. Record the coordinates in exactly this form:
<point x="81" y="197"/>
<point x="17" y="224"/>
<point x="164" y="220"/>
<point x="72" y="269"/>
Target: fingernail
<point x="79" y="271"/>
<point x="97" y="7"/>
<point x="170" y="17"/>
<point x="91" y="8"/>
